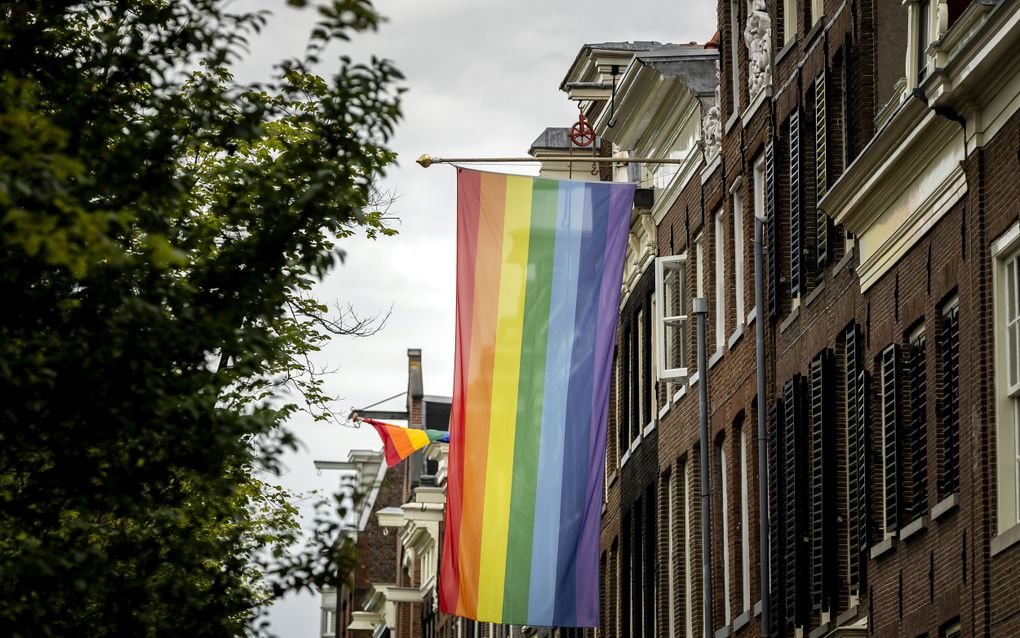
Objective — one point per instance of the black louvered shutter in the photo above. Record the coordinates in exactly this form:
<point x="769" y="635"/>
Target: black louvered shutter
<point x="950" y="402"/>
<point x="776" y="484"/>
<point x="823" y="496"/>
<point x="795" y="532"/>
<point x="821" y="179"/>
<point x="857" y="472"/>
<point x="796" y="270"/>
<point x="773" y="229"/>
<point x="918" y="428"/>
<point x="890" y="438"/>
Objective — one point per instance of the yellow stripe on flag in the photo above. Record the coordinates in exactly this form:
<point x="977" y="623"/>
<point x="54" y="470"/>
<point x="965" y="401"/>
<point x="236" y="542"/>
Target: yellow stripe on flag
<point x="505" y="378"/>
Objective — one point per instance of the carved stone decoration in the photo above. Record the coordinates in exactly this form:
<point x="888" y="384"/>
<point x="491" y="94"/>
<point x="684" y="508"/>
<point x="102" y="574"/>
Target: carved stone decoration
<point x="758" y="38"/>
<point x="711" y="126"/>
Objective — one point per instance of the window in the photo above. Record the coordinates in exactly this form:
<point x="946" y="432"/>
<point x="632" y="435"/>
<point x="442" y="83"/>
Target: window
<point x="923" y="38"/>
<point x="735" y="31"/>
<point x="917" y="378"/>
<point x="796" y="271"/>
<point x="855" y="417"/>
<point x="649" y="571"/>
<point x="724" y="495"/>
<point x="1006" y="286"/>
<point x="774" y="271"/>
<point x="949" y="400"/>
<point x="745" y="527"/>
<point x="699" y="266"/>
<point x="759" y="203"/>
<point x="638" y="397"/>
<point x="823" y="496"/>
<point x="685" y="508"/>
<point x="789" y="20"/>
<point x="890" y="440"/>
<point x="671" y="317"/>
<point x="738" y="256"/>
<point x="720" y="282"/>
<point x="795" y="505"/>
<point x="670" y="558"/>
<point x="821" y="179"/>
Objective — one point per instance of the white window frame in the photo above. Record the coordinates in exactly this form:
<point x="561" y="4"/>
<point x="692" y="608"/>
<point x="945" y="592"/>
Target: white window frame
<point x="1005" y="254"/>
<point x="745" y="524"/>
<point x="735" y="32"/>
<point x="720" y="281"/>
<point x="666" y="319"/>
<point x="789" y="21"/>
<point x="689" y="603"/>
<point x="724" y="489"/>
<point x="914" y="60"/>
<point x="671" y="537"/>
<point x="817" y="10"/>
<point x="738" y="254"/>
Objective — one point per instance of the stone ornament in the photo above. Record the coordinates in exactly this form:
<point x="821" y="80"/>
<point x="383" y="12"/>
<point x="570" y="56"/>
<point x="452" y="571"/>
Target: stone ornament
<point x="711" y="126"/>
<point x="758" y="38"/>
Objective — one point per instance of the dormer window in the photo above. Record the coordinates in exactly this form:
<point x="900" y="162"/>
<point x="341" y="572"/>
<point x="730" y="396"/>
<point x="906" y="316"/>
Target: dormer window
<point x="919" y="33"/>
<point x="923" y="39"/>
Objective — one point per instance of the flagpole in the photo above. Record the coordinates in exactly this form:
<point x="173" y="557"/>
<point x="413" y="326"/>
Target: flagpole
<point x="427" y="160"/>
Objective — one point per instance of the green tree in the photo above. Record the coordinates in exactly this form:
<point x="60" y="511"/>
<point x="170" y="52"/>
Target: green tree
<point x="161" y="227"/>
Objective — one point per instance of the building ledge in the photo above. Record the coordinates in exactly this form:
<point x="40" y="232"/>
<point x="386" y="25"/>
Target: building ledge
<point x="735" y="337"/>
<point x="945" y="506"/>
<point x="790" y="319"/>
<point x="365" y="621"/>
<point x="821" y="630"/>
<point x="716" y="358"/>
<point x="763" y="95"/>
<point x="722" y="632"/>
<point x="815" y="293"/>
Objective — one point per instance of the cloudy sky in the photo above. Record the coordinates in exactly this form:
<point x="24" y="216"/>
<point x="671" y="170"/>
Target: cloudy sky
<point x="482" y="80"/>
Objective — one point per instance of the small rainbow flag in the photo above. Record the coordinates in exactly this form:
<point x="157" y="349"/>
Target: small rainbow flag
<point x="539" y="266"/>
<point x="400" y="443"/>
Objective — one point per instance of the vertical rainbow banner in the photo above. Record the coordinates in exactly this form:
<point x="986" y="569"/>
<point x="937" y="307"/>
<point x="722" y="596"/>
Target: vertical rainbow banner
<point x="539" y="267"/>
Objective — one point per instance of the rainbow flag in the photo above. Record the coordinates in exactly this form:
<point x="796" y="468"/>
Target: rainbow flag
<point x="539" y="267"/>
<point x="400" y="443"/>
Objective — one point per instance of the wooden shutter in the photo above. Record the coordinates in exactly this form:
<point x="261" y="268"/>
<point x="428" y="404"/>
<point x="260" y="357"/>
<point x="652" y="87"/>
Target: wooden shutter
<point x="890" y="438"/>
<point x="823" y="496"/>
<point x="821" y="178"/>
<point x="918" y="428"/>
<point x="796" y="504"/>
<point x="796" y="270"/>
<point x="775" y="479"/>
<point x="773" y="229"/>
<point x="857" y="471"/>
<point x="950" y="403"/>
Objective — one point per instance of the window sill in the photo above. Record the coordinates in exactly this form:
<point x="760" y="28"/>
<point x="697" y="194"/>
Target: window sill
<point x="1005" y="540"/>
<point x="735" y="337"/>
<point x="734" y="118"/>
<point x="945" y="506"/>
<point x="741" y="621"/>
<point x="624" y="459"/>
<point x="694" y="379"/>
<point x="648" y="429"/>
<point x="664" y="410"/>
<point x="612" y="478"/>
<point x="679" y="394"/>
<point x="751" y="317"/>
<point x="716" y="358"/>
<point x="813" y="33"/>
<point x="914" y="528"/>
<point x="843" y="263"/>
<point x="814" y="294"/>
<point x="757" y="609"/>
<point x="723" y="632"/>
<point x="883" y="548"/>
<point x="763" y="94"/>
<point x="789" y="46"/>
<point x="709" y="171"/>
<point x="790" y="319"/>
<point x="821" y="630"/>
<point x="847" y="616"/>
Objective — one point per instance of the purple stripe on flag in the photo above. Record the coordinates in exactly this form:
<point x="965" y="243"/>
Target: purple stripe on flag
<point x="617" y="227"/>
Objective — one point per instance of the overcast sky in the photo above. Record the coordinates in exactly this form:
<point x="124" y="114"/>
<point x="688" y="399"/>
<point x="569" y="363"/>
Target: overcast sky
<point x="483" y="80"/>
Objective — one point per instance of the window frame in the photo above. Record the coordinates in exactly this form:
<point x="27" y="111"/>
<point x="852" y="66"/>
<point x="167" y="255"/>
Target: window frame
<point x="666" y="323"/>
<point x="738" y="255"/>
<point x="720" y="280"/>
<point x="1006" y="252"/>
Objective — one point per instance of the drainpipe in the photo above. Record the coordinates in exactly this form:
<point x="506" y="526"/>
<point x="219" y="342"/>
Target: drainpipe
<point x="763" y="491"/>
<point x="701" y="312"/>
